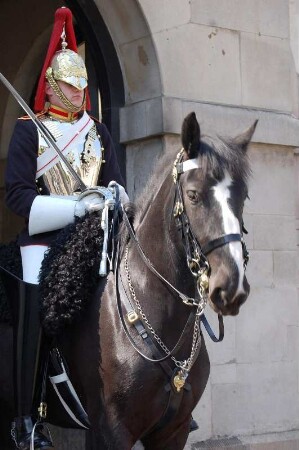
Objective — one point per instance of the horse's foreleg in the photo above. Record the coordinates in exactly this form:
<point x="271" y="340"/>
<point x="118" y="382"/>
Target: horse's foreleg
<point x="175" y="439"/>
<point x="104" y="439"/>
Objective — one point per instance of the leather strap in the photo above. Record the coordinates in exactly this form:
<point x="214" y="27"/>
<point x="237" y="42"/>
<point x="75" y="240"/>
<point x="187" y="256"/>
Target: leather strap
<point x="219" y="242"/>
<point x="211" y="333"/>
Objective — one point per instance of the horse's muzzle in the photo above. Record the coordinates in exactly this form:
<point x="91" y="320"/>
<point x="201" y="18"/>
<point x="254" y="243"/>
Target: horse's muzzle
<point x="226" y="300"/>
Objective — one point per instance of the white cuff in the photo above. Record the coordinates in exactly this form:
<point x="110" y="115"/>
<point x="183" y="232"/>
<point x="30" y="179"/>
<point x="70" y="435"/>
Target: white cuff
<point x="50" y="213"/>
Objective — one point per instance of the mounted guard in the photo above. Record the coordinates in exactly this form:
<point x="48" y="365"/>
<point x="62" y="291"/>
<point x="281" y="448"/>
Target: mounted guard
<point x="54" y="159"/>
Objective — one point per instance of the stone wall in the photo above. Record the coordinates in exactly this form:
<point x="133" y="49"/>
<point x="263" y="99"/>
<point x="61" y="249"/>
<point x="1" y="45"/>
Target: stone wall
<point x="232" y="62"/>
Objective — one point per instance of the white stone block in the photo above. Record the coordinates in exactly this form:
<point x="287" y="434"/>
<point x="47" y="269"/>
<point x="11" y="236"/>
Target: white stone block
<point x="268" y="17"/>
<point x="231" y="14"/>
<point x="124" y="20"/>
<point x="273" y="16"/>
<point x="133" y="122"/>
<point x="221" y="352"/>
<point x="200" y="63"/>
<point x="270" y="189"/>
<point x="172" y="115"/>
<point x="141" y="161"/>
<point x="203" y="415"/>
<point x="262" y="325"/>
<point x="260" y="268"/>
<point x="267" y="393"/>
<point x="225" y="406"/>
<point x="140" y="120"/>
<point x="262" y="401"/>
<point x="274" y="232"/>
<point x="265" y="69"/>
<point x="248" y="223"/>
<point x="292" y="353"/>
<point x="224" y="373"/>
<point x="165" y="14"/>
<point x="285" y="268"/>
<point x="140" y="70"/>
<point x="154" y="116"/>
<point x="272" y="127"/>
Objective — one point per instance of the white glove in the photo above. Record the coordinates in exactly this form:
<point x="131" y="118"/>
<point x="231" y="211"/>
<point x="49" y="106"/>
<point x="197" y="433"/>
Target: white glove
<point x="89" y="203"/>
<point x="124" y="198"/>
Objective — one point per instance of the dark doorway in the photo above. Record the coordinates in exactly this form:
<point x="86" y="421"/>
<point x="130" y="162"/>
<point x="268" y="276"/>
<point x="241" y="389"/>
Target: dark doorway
<point x="105" y="77"/>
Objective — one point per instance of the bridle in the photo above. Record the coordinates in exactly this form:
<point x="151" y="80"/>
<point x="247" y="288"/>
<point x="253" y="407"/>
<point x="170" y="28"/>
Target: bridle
<point x="199" y="267"/>
<point x="195" y="253"/>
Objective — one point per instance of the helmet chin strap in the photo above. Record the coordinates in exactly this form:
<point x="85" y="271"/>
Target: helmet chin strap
<point x="67" y="103"/>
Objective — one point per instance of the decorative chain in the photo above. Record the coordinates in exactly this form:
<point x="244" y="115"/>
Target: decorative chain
<point x="186" y="365"/>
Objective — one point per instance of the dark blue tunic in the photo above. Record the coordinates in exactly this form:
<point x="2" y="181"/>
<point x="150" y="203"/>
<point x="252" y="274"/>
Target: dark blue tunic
<point x="20" y="176"/>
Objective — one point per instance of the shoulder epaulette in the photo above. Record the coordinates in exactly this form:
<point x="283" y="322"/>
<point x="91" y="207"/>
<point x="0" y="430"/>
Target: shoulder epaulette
<point x="24" y="118"/>
<point x="95" y="119"/>
<point x="29" y="118"/>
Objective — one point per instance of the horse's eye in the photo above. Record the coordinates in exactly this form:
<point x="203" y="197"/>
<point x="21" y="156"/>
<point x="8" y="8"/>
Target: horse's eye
<point x="193" y="196"/>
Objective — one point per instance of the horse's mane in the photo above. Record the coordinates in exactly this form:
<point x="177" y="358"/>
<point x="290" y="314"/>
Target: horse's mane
<point x="153" y="185"/>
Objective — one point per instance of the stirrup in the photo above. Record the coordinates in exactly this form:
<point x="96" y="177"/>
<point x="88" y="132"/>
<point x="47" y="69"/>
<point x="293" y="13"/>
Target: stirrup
<point x="35" y="433"/>
<point x="29" y="437"/>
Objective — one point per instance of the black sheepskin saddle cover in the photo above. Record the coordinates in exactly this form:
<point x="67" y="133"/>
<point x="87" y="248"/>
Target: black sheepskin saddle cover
<point x="70" y="273"/>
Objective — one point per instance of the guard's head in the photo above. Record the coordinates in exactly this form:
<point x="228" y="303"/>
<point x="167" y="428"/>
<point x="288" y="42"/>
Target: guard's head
<point x="62" y="64"/>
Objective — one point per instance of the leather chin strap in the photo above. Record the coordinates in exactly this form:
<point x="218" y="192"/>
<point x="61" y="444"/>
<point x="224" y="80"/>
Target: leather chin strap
<point x="54" y="85"/>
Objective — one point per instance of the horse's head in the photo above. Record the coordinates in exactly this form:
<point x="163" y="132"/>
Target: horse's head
<point x="214" y="189"/>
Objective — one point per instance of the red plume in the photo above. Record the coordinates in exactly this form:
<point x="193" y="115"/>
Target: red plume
<point x="63" y="19"/>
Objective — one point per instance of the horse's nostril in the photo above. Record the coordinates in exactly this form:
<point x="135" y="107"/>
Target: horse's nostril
<point x="218" y="298"/>
<point x="227" y="305"/>
<point x="241" y="299"/>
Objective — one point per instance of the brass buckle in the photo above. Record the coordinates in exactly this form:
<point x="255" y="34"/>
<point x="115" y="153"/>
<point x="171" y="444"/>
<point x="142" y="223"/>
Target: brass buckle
<point x="178" y="209"/>
<point x="132" y="317"/>
<point x="42" y="410"/>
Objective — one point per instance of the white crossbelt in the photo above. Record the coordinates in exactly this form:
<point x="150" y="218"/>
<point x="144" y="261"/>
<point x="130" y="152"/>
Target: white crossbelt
<point x="49" y="158"/>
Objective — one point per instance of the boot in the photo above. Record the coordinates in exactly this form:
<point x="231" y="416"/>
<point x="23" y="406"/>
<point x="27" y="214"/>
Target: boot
<point x="193" y="425"/>
<point x="24" y="299"/>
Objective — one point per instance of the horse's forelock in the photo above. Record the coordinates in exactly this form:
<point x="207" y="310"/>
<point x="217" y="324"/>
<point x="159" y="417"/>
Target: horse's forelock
<point x="222" y="154"/>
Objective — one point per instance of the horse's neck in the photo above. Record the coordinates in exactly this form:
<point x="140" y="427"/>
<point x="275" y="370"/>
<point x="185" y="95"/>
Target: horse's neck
<point x="162" y="245"/>
<point x="159" y="238"/>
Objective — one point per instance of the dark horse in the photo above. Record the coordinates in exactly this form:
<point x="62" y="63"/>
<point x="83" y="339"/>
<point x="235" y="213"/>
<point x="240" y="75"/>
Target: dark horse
<point x="188" y="223"/>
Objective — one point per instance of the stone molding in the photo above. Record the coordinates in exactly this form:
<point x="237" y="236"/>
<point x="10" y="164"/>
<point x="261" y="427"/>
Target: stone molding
<point x="164" y="115"/>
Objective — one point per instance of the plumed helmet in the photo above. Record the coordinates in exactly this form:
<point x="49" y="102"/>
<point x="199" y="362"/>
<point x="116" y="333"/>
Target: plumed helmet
<point x="61" y="63"/>
<point x="68" y="66"/>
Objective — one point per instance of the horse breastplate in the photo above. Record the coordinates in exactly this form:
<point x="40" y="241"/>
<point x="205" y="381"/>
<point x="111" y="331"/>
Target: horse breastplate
<point x="81" y="144"/>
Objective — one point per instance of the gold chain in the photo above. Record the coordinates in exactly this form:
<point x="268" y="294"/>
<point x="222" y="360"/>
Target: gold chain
<point x="183" y="365"/>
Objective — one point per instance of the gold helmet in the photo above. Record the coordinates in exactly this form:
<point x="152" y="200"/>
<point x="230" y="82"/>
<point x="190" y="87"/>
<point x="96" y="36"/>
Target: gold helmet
<point x="68" y="66"/>
<point x="62" y="64"/>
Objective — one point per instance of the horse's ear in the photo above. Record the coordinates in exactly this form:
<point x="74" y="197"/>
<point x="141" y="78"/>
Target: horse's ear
<point x="191" y="135"/>
<point x="243" y="139"/>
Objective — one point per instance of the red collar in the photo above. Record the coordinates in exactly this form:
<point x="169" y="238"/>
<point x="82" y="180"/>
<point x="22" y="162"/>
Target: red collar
<point x="62" y="114"/>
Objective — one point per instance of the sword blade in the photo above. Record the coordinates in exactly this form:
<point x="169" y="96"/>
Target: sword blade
<point x="49" y="138"/>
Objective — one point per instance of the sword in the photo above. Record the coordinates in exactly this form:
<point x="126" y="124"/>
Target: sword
<point x="49" y="138"/>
